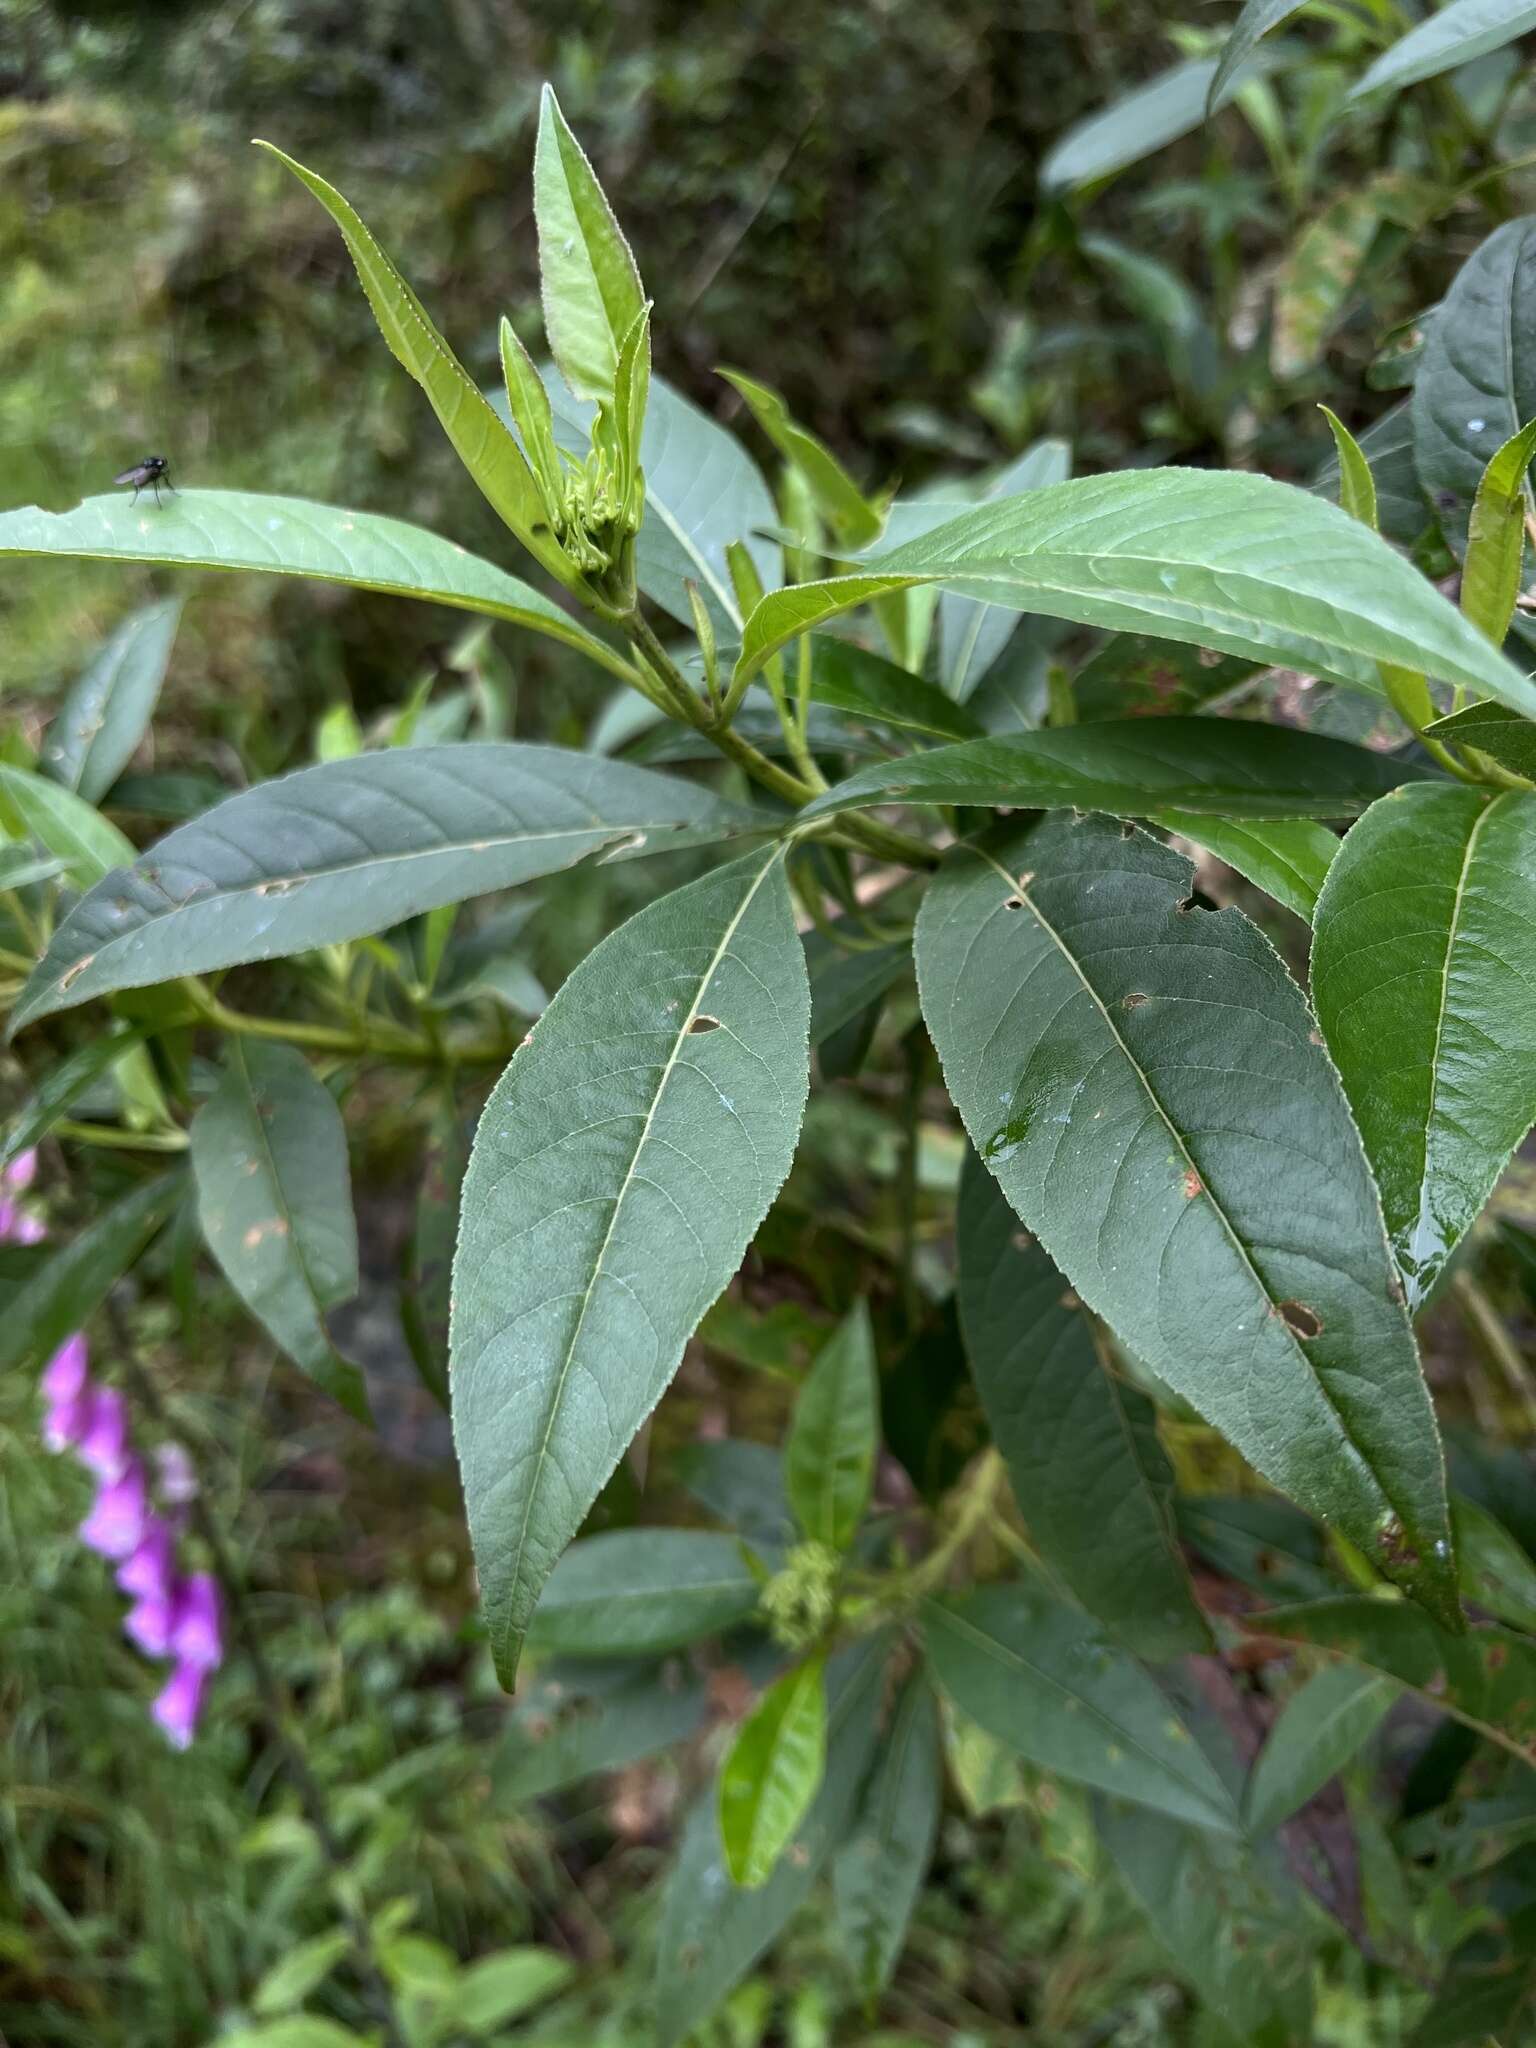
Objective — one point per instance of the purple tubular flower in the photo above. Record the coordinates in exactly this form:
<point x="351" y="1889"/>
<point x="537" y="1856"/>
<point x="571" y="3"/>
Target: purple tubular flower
<point x="198" y="1636"/>
<point x="65" y="1422"/>
<point x="175" y="1479"/>
<point x="151" y="1622"/>
<point x="22" y="1171"/>
<point x="64" y="1376"/>
<point x="104" y="1446"/>
<point x="180" y="1703"/>
<point x="149" y="1572"/>
<point x="119" y="1514"/>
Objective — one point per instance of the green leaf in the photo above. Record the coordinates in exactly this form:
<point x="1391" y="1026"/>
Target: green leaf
<point x="1453" y="35"/>
<point x="1263" y="1543"/>
<point x="1318" y="1730"/>
<point x="622" y="1164"/>
<point x="1402" y="514"/>
<point x="590" y="284"/>
<point x="1423" y="973"/>
<point x="1320" y="271"/>
<point x="531" y="413"/>
<point x="1134" y="676"/>
<point x="1495" y="1571"/>
<point x="1252" y="25"/>
<point x="1144" y="1080"/>
<point x="1134" y="767"/>
<point x="844" y="984"/>
<point x="772" y="1773"/>
<point x="1357" y="487"/>
<point x="1081" y="1446"/>
<point x="305" y="1967"/>
<point x="1509" y="740"/>
<point x="274" y="1197"/>
<point x="61" y="1087"/>
<point x="298" y="2031"/>
<point x="711" y="1931"/>
<point x="63" y="824"/>
<point x="1490" y="577"/>
<point x="351" y="847"/>
<point x="66" y="1290"/>
<point x="1235" y="562"/>
<point x="639" y="1592"/>
<point x="1485" y="1677"/>
<point x="563" y="1727"/>
<point x="829" y="1456"/>
<point x="853" y="520"/>
<point x="479" y="435"/>
<point x="1487" y="1990"/>
<point x="1045" y="1679"/>
<point x="106" y="714"/>
<point x="502" y="1987"/>
<point x="1476" y="384"/>
<point x="292" y="537"/>
<point x="1287" y="858"/>
<point x="740" y="1484"/>
<point x="859" y="684"/>
<point x="1141" y="122"/>
<point x="878" y="1872"/>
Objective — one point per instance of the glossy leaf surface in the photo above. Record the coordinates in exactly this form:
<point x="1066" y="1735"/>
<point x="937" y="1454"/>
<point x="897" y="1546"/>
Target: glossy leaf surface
<point x="1288" y="858"/>
<point x="96" y="729"/>
<point x="1424" y="982"/>
<point x="353" y="846"/>
<point x="829" y="1455"/>
<point x="1493" y="730"/>
<point x="590" y="285"/>
<point x="1144" y="1080"/>
<point x="621" y="1167"/>
<point x="639" y="1592"/>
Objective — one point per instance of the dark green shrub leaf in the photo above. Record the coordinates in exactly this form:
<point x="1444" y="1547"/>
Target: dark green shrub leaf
<point x="621" y="1167"/>
<point x="1456" y="34"/>
<point x="1143" y="1079"/>
<point x="85" y="844"/>
<point x="591" y="287"/>
<point x="740" y="1484"/>
<point x="1509" y="740"/>
<point x="67" y="1287"/>
<point x="106" y="714"/>
<point x="1495" y="1570"/>
<point x="1422" y="969"/>
<point x="829" y="1456"/>
<point x="274" y="1196"/>
<point x="61" y="1087"/>
<point x="641" y="1592"/>
<point x="1251" y="26"/>
<point x="1139" y="123"/>
<point x="773" y="1772"/>
<point x="1088" y="1472"/>
<point x="1287" y="858"/>
<point x="352" y="847"/>
<point x="1314" y="1736"/>
<point x="859" y="684"/>
<point x="878" y="1872"/>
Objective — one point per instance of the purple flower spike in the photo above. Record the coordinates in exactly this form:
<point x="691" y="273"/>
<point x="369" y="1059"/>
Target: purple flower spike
<point x="16" y="1227"/>
<point x="149" y="1573"/>
<point x="198" y="1637"/>
<point x="22" y="1171"/>
<point x="151" y="1622"/>
<point x="180" y="1703"/>
<point x="119" y="1514"/>
<point x="104" y="1447"/>
<point x="65" y="1374"/>
<point x="65" y="1422"/>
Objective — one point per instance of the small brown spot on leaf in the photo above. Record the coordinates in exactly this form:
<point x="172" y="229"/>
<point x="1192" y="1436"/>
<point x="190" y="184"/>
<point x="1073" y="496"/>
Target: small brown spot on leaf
<point x="1185" y="904"/>
<point x="1133" y="1001"/>
<point x="75" y="972"/>
<point x="279" y="886"/>
<point x="1069" y="1300"/>
<point x="1314" y="1038"/>
<point x="800" y="1855"/>
<point x="275" y="1226"/>
<point x="1303" y="1321"/>
<point x="1022" y="1241"/>
<point x="702" y="1024"/>
<point x="1013" y="903"/>
<point x="1127" y="829"/>
<point x="1496" y="1656"/>
<point x="1026" y="878"/>
<point x="1193" y="1184"/>
<point x="689" y="1957"/>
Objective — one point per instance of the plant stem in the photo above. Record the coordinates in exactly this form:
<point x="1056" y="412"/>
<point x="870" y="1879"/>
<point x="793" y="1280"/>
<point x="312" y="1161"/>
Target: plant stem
<point x="112" y="1135"/>
<point x="1488" y="1327"/>
<point x="976" y="1498"/>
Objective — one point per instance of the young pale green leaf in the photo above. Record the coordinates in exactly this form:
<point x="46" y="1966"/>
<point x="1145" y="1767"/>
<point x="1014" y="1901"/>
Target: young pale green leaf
<point x="1357" y="487"/>
<point x="878" y="1872"/>
<point x="1490" y="575"/>
<point x="850" y="515"/>
<point x="1453" y="35"/>
<point x="479" y="435"/>
<point x="712" y="1932"/>
<point x="1044" y="1679"/>
<point x="106" y="714"/>
<point x="1251" y="26"/>
<point x="1081" y="1446"/>
<point x="532" y="415"/>
<point x="829" y="1457"/>
<point x="1423" y="975"/>
<point x="62" y="1086"/>
<point x="1496" y="1571"/>
<point x="1485" y="1677"/>
<point x="302" y="1970"/>
<point x="621" y="1166"/>
<point x="1476" y="384"/>
<point x="1402" y="513"/>
<point x="502" y="1987"/>
<point x="571" y="1721"/>
<point x="69" y="1285"/>
<point x="274" y="1197"/>
<point x="1287" y="858"/>
<point x="773" y="1772"/>
<point x="1143" y="121"/>
<point x="1500" y="734"/>
<point x="640" y="1592"/>
<point x="862" y="685"/>
<point x="590" y="284"/>
<point x="1224" y="560"/>
<point x="1134" y="767"/>
<point x="351" y="847"/>
<point x="86" y="845"/>
<point x="1318" y="1730"/>
<point x="1143" y="1078"/>
<point x="292" y="537"/>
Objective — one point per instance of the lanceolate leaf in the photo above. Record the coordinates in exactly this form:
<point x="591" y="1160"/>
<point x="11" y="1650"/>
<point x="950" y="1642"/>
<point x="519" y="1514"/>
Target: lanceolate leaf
<point x="1224" y="560"/>
<point x="843" y="505"/>
<point x="622" y="1164"/>
<point x="773" y="1772"/>
<point x="61" y="1086"/>
<point x="292" y="537"/>
<point x="85" y="844"/>
<point x="105" y="715"/>
<point x="1509" y="740"/>
<point x="862" y="685"/>
<point x="1041" y="1677"/>
<point x="1252" y="25"/>
<point x="1316" y="1733"/>
<point x="1134" y="767"/>
<point x="1424" y="982"/>
<point x="1088" y="1472"/>
<point x="1452" y="35"/>
<point x="829" y="1457"/>
<point x="353" y="846"/>
<point x="1477" y="378"/>
<point x="1496" y="1571"/>
<point x="1490" y="577"/>
<point x="591" y="287"/>
<point x="72" y="1283"/>
<point x="1289" y="858"/>
<point x="639" y="1592"/>
<point x="274" y="1197"/>
<point x="879" y="1871"/>
<point x="1143" y="1079"/>
<point x="1137" y="124"/>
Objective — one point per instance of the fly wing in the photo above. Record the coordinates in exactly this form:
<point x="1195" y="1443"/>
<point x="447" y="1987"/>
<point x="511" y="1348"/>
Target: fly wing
<point x="136" y="475"/>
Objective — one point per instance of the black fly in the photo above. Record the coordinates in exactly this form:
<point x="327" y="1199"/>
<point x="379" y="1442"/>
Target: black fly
<point x="149" y="474"/>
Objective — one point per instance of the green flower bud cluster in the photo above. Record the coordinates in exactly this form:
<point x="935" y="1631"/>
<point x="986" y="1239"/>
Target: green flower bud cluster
<point x="800" y="1602"/>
